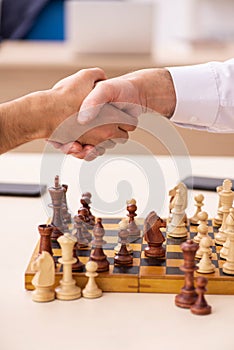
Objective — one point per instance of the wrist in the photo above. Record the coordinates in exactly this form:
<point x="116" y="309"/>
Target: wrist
<point x="156" y="90"/>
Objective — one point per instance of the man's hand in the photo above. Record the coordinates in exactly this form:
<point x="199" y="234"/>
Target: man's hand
<point x="133" y="93"/>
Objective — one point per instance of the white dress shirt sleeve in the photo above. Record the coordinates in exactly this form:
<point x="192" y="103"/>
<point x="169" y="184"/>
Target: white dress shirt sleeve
<point x="205" y="96"/>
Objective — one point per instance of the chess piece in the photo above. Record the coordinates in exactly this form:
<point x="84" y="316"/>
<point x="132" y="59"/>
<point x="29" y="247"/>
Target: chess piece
<point x="85" y="202"/>
<point x="188" y="295"/>
<point x="172" y="193"/>
<point x="199" y="204"/>
<point x="78" y="265"/>
<point x="134" y="231"/>
<point x="123" y="257"/>
<point x="176" y="228"/>
<point x="84" y="215"/>
<point x="154" y="236"/>
<point x="228" y="266"/>
<point x="202" y="229"/>
<point x="65" y="212"/>
<point x="45" y="238"/>
<point x="44" y="278"/>
<point x="56" y="193"/>
<point x="226" y="196"/>
<point x="67" y="289"/>
<point x="205" y="265"/>
<point x="80" y="226"/>
<point x="118" y="246"/>
<point x="91" y="289"/>
<point x="201" y="307"/>
<point x="219" y="217"/>
<point x="203" y="233"/>
<point x="98" y="254"/>
<point x="225" y="248"/>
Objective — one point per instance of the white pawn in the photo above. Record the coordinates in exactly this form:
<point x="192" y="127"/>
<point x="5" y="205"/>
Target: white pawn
<point x="199" y="204"/>
<point x="228" y="266"/>
<point x="91" y="289"/>
<point x="67" y="289"/>
<point x="203" y="232"/>
<point x="205" y="265"/>
<point x="44" y="278"/>
<point x="123" y="223"/>
<point x="202" y="217"/>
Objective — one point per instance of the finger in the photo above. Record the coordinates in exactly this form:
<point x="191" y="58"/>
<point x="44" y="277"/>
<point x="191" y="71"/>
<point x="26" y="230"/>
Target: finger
<point x="94" y="102"/>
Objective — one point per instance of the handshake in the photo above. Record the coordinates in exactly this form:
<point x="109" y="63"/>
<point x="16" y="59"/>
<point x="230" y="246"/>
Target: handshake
<point x="105" y="111"/>
<point x="86" y="113"/>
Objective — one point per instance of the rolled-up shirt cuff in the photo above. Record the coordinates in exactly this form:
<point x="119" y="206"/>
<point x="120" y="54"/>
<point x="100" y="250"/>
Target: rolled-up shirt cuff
<point x="196" y="94"/>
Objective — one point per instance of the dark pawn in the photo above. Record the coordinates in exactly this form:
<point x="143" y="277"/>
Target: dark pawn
<point x="85" y="201"/>
<point x="80" y="226"/>
<point x="134" y="231"/>
<point x="154" y="236"/>
<point x="45" y="238"/>
<point x="123" y="258"/>
<point x="78" y="265"/>
<point x="201" y="307"/>
<point x="98" y="254"/>
<point x="83" y="212"/>
<point x="188" y="295"/>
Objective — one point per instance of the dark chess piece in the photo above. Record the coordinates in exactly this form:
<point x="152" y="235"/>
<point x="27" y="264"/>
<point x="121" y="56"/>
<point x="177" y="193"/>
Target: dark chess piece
<point x="98" y="254"/>
<point x="65" y="213"/>
<point x="201" y="307"/>
<point x="56" y="193"/>
<point x="124" y="257"/>
<point x="80" y="226"/>
<point x="188" y="295"/>
<point x="154" y="236"/>
<point x="84" y="214"/>
<point x="45" y="238"/>
<point x="134" y="231"/>
<point x="85" y="201"/>
<point x="78" y="265"/>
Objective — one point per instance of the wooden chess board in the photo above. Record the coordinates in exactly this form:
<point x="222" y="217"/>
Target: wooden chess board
<point x="145" y="274"/>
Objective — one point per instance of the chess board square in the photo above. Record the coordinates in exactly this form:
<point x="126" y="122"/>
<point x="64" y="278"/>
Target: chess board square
<point x="152" y="262"/>
<point x="83" y="252"/>
<point x="174" y="263"/>
<point x="136" y="246"/>
<point x="136" y="254"/>
<point x="174" y="248"/>
<point x="173" y="271"/>
<point x="175" y="241"/>
<point x="174" y="255"/>
<point x="130" y="270"/>
<point x="152" y="271"/>
<point x="109" y="246"/>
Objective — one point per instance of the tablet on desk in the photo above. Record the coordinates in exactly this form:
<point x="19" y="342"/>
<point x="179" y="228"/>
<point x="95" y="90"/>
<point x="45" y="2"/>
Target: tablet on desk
<point x="204" y="183"/>
<point x="22" y="190"/>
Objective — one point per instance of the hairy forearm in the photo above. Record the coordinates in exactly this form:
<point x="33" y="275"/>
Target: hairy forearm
<point x="23" y="120"/>
<point x="156" y="90"/>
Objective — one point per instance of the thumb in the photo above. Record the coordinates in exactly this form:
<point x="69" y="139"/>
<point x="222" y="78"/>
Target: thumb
<point x="94" y="102"/>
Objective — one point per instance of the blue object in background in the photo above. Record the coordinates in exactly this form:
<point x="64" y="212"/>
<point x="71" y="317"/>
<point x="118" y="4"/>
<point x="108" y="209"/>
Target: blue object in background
<point x="49" y="24"/>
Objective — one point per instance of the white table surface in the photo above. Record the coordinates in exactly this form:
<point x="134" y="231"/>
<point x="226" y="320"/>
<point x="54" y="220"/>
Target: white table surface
<point x="117" y="320"/>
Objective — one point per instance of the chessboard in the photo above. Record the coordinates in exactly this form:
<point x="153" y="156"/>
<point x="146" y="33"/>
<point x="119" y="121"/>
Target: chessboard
<point x="146" y="275"/>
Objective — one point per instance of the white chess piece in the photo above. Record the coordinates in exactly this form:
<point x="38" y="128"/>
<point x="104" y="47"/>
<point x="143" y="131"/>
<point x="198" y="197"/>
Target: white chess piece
<point x="228" y="266"/>
<point x="67" y="289"/>
<point x="176" y="228"/>
<point x="202" y="220"/>
<point x="203" y="232"/>
<point x="199" y="204"/>
<point x="91" y="289"/>
<point x="205" y="265"/>
<point x="226" y="197"/>
<point x="44" y="278"/>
